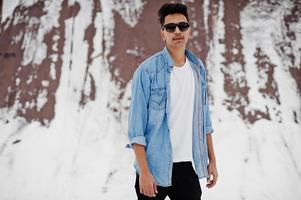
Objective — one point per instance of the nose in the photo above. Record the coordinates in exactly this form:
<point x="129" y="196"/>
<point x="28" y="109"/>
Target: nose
<point x="177" y="31"/>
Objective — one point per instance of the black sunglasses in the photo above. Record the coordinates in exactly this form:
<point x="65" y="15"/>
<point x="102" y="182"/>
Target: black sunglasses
<point x="171" y="27"/>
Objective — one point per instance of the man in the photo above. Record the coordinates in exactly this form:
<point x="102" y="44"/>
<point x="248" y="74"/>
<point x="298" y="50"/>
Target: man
<point x="169" y="123"/>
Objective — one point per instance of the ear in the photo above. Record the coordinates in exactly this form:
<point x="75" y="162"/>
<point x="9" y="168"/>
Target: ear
<point x="162" y="34"/>
<point x="189" y="33"/>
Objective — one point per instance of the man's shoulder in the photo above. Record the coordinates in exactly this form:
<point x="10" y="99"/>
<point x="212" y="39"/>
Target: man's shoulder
<point x="153" y="62"/>
<point x="196" y="60"/>
<point x="193" y="58"/>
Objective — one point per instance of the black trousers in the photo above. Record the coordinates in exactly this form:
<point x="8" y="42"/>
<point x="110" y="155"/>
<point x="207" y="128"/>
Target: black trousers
<point x="185" y="185"/>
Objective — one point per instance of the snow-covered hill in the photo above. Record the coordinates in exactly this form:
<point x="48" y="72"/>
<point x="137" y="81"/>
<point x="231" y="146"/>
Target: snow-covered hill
<point x="65" y="71"/>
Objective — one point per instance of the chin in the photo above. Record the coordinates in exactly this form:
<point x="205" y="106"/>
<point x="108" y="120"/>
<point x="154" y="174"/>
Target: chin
<point x="179" y="45"/>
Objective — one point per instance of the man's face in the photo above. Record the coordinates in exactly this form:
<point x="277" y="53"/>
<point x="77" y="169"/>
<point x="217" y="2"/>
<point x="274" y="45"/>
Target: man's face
<point x="178" y="38"/>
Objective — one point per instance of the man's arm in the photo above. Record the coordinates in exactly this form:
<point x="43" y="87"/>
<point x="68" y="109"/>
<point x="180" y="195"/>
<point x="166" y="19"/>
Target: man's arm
<point x="147" y="183"/>
<point x="212" y="170"/>
<point x="138" y="113"/>
<point x="137" y="125"/>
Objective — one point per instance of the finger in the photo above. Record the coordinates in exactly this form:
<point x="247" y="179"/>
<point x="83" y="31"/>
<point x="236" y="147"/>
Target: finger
<point x="214" y="177"/>
<point x="151" y="191"/>
<point x="141" y="189"/>
<point x="214" y="183"/>
<point x="211" y="183"/>
<point x="155" y="188"/>
<point x="145" y="190"/>
<point x="214" y="180"/>
<point x="208" y="184"/>
<point x="148" y="192"/>
<point x="209" y="178"/>
<point x="145" y="193"/>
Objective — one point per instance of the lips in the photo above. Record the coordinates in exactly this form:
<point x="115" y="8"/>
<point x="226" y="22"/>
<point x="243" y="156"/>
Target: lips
<point x="178" y="38"/>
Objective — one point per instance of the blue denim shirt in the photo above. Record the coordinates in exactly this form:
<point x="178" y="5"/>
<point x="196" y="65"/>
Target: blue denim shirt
<point x="150" y="110"/>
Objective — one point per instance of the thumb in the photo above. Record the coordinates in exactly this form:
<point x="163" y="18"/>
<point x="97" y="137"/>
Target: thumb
<point x="209" y="178"/>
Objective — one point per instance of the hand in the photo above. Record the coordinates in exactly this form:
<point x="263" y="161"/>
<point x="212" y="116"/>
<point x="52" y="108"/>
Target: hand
<point x="212" y="171"/>
<point x="147" y="185"/>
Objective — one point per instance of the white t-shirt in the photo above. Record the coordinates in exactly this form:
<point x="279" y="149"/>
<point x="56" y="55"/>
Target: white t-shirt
<point x="182" y="88"/>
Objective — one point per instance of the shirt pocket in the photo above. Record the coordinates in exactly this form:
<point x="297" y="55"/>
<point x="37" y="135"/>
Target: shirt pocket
<point x="158" y="98"/>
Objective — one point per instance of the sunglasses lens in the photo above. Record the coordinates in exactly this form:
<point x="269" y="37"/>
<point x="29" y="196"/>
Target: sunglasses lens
<point x="170" y="27"/>
<point x="183" y="26"/>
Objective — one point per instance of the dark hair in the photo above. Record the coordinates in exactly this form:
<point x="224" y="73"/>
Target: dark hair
<point x="172" y="8"/>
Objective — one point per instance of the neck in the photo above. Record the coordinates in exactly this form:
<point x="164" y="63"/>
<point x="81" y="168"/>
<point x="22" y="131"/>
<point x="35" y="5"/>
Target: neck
<point x="178" y="56"/>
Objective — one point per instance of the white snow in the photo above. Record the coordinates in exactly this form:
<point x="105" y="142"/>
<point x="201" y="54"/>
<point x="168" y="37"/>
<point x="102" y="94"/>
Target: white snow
<point x="41" y="99"/>
<point x="8" y="8"/>
<point x="81" y="153"/>
<point x="129" y="10"/>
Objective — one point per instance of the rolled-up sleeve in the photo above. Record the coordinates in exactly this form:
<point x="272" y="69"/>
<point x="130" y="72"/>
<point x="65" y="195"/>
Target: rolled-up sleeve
<point x="138" y="112"/>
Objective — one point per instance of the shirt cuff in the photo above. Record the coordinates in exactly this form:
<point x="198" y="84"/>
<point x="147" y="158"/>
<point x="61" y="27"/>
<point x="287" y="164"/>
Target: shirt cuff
<point x="137" y="140"/>
<point x="209" y="130"/>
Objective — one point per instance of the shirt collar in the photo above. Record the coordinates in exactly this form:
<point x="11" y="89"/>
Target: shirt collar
<point x="191" y="57"/>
